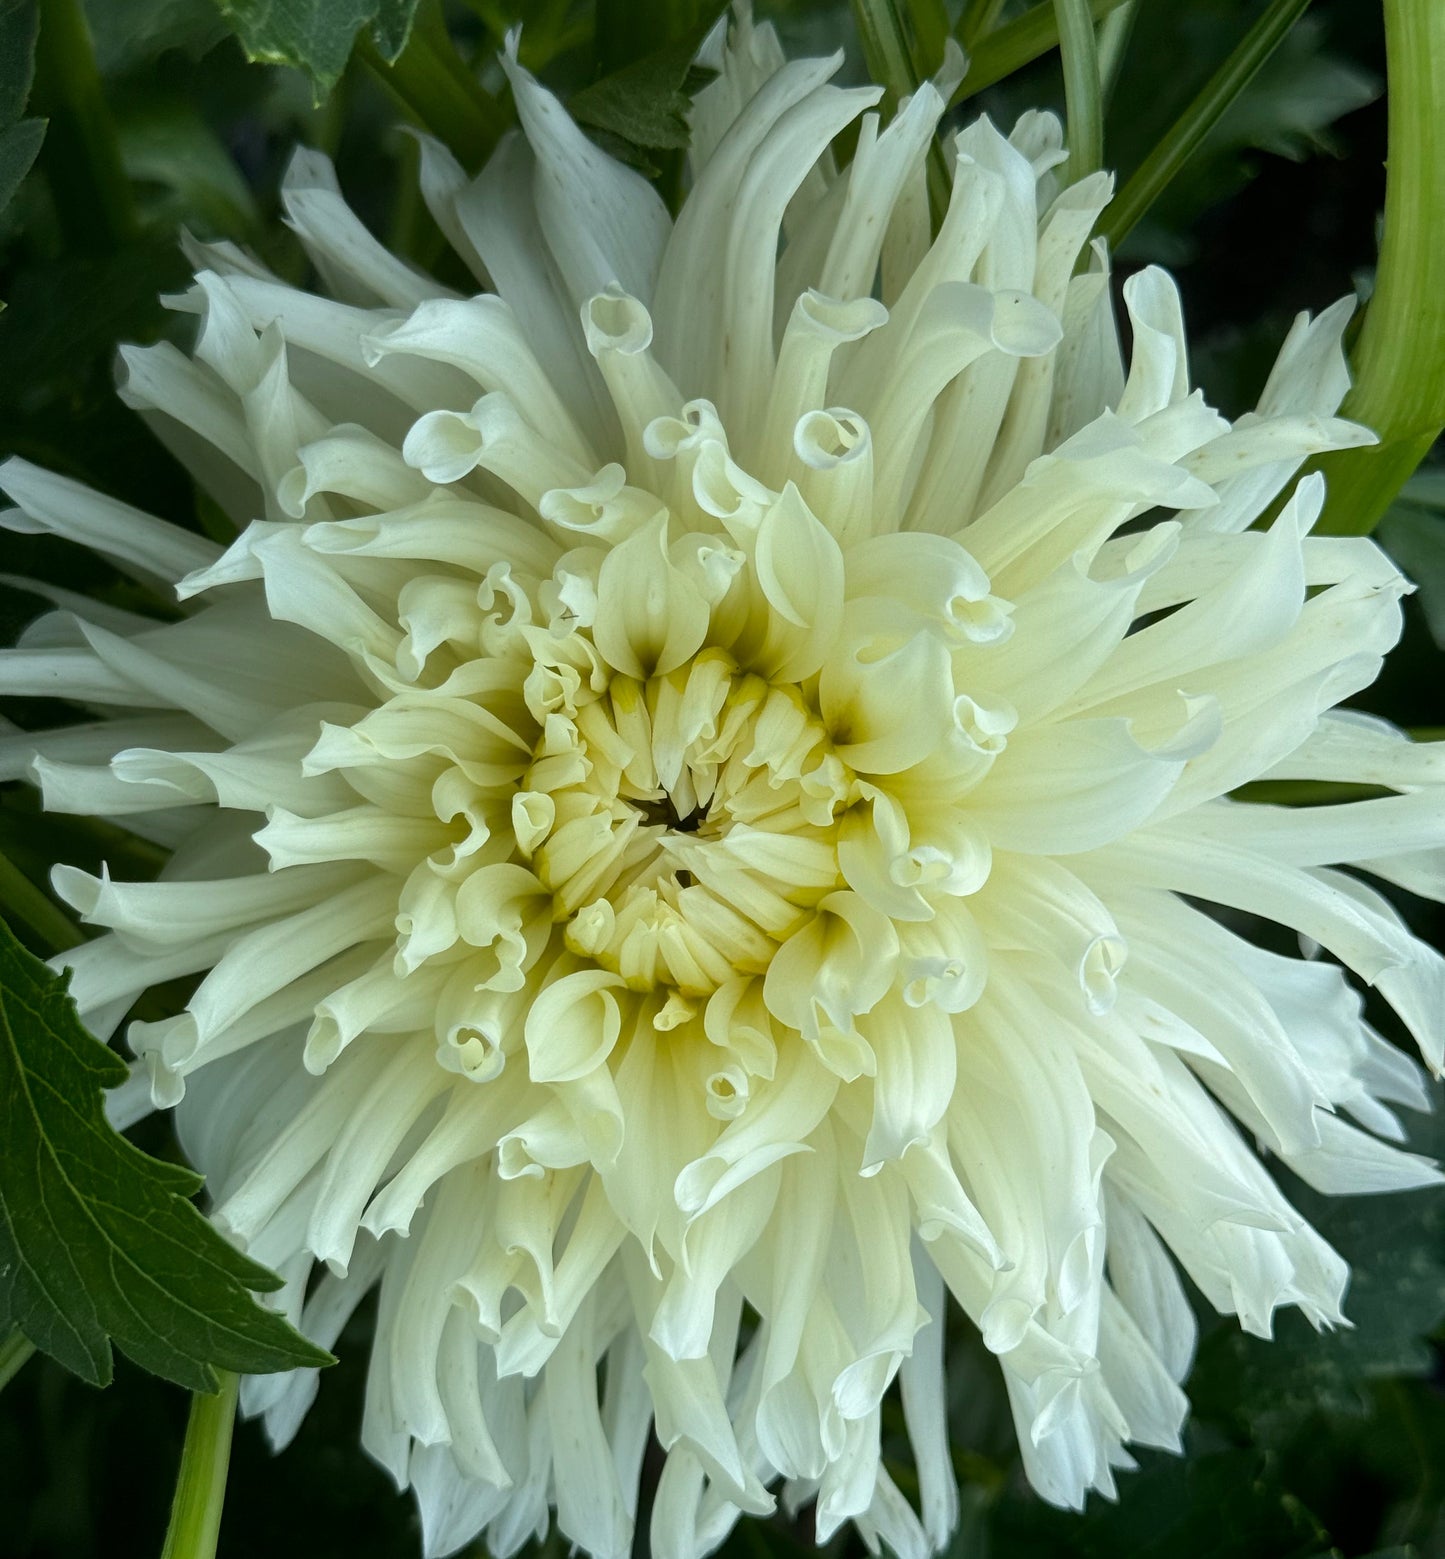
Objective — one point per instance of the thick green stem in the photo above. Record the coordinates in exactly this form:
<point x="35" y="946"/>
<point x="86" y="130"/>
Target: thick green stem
<point x="201" y="1483"/>
<point x="1083" y="100"/>
<point x="81" y="155"/>
<point x="15" y="1351"/>
<point x="1115" y="32"/>
<point x="1399" y="362"/>
<point x="1183" y="137"/>
<point x="1019" y="43"/>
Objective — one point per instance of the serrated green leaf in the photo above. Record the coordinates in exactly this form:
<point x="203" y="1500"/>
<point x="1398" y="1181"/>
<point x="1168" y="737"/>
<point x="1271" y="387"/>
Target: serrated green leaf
<point x="98" y="1244"/>
<point x="392" y="26"/>
<point x="646" y="103"/>
<point x="19" y="146"/>
<point x="317" y="36"/>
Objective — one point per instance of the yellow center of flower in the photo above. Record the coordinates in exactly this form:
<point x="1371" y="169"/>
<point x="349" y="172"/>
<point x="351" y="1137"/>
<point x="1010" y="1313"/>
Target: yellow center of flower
<point x="686" y="825"/>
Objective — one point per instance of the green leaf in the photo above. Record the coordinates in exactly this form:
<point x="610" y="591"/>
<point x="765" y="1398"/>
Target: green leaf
<point x="646" y="103"/>
<point x="626" y="30"/>
<point x="317" y="36"/>
<point x="1219" y="1505"/>
<point x="66" y="317"/>
<point x="83" y="175"/>
<point x="1296" y="97"/>
<point x="98" y="1243"/>
<point x="19" y="146"/>
<point x="1415" y="537"/>
<point x="1277" y="88"/>
<point x="19" y="23"/>
<point x="1427" y="487"/>
<point x="127" y="33"/>
<point x="169" y="144"/>
<point x="1413" y="533"/>
<point x="1201" y="118"/>
<point x="19" y="142"/>
<point x="1396" y="1249"/>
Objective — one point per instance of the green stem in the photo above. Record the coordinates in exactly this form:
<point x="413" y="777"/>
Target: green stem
<point x="81" y="154"/>
<point x="978" y="20"/>
<point x="1022" y="41"/>
<point x="330" y="118"/>
<point x="1183" y="137"/>
<point x="15" y="1351"/>
<point x="437" y="91"/>
<point x="25" y="903"/>
<point x="885" y="46"/>
<point x="1115" y="32"/>
<point x="929" y="28"/>
<point x="1399" y="363"/>
<point x="405" y="229"/>
<point x="201" y="1484"/>
<point x="1083" y="99"/>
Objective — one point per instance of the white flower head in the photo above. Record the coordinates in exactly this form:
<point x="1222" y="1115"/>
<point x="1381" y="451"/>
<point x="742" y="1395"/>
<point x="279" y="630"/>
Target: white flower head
<point x="691" y="795"/>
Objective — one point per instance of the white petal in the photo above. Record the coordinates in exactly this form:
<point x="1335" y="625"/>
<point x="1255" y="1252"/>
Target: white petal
<point x="602" y="222"/>
<point x="64" y="508"/>
<point x="355" y="266"/>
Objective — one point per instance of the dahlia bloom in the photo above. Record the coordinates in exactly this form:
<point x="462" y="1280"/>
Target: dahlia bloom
<point x="697" y="795"/>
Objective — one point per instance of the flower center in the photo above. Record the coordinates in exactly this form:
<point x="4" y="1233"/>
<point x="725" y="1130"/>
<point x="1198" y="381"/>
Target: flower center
<point x="685" y="825"/>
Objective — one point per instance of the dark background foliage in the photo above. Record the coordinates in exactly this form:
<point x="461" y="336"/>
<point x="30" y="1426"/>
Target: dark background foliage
<point x="1304" y="1447"/>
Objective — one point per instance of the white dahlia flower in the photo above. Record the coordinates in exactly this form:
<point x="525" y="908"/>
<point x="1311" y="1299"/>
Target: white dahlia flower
<point x="700" y="807"/>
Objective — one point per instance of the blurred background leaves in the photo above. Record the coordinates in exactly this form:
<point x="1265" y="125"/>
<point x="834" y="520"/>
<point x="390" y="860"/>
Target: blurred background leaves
<point x="1302" y="1447"/>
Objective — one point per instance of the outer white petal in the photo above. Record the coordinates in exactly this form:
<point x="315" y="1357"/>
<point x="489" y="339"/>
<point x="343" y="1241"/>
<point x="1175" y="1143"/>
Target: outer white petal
<point x="602" y="222"/>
